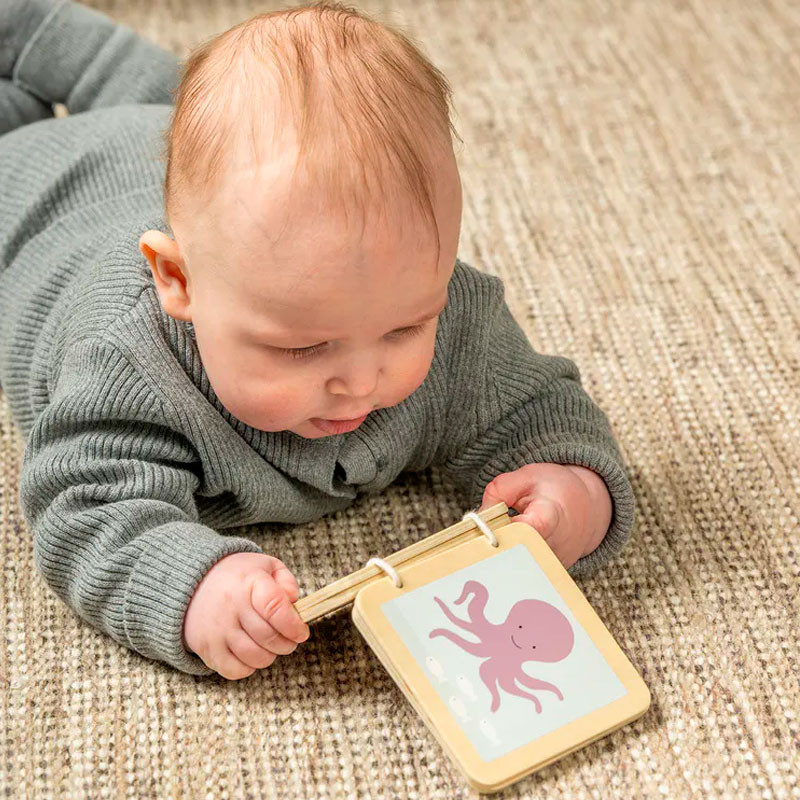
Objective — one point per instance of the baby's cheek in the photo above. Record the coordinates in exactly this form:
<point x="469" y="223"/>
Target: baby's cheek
<point x="264" y="400"/>
<point x="403" y="378"/>
<point x="281" y="397"/>
<point x="412" y="374"/>
<point x="276" y="393"/>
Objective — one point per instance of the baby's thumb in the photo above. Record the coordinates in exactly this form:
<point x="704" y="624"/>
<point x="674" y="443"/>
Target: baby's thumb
<point x="490" y="497"/>
<point x="543" y="515"/>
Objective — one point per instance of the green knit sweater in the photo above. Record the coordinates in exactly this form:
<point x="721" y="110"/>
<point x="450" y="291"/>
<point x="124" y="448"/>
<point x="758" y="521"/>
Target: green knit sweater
<point x="132" y="467"/>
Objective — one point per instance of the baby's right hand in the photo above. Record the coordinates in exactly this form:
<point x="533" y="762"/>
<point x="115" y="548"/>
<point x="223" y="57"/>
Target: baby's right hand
<point x="240" y="617"/>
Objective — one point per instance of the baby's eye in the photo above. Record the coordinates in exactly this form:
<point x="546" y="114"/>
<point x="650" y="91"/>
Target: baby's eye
<point x="403" y="332"/>
<point x="305" y="352"/>
<point x="301" y="352"/>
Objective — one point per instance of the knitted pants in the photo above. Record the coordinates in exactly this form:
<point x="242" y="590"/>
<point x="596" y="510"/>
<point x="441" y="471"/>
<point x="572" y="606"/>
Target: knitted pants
<point x="59" y="51"/>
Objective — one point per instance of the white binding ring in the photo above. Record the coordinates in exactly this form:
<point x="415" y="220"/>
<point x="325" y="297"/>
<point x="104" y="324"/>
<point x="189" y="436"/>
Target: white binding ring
<point x="388" y="569"/>
<point x="483" y="526"/>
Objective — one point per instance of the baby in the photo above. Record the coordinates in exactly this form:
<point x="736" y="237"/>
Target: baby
<point x="272" y="324"/>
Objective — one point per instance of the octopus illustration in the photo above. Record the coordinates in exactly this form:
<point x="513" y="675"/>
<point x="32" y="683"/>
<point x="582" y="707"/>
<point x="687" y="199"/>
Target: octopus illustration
<point x="533" y="631"/>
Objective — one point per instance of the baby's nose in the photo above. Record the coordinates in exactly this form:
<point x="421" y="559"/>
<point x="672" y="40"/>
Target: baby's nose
<point x="359" y="378"/>
<point x="362" y="385"/>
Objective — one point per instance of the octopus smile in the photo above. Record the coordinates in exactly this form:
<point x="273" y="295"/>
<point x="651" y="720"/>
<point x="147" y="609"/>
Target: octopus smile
<point x="515" y="644"/>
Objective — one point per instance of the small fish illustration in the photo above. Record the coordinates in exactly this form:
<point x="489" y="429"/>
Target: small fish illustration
<point x="457" y="704"/>
<point x="436" y="669"/>
<point x="466" y="687"/>
<point x="488" y="730"/>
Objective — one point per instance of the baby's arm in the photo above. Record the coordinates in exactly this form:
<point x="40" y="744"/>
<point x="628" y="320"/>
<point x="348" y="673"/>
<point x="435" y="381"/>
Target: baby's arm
<point x="107" y="488"/>
<point x="512" y="406"/>
<point x="64" y="52"/>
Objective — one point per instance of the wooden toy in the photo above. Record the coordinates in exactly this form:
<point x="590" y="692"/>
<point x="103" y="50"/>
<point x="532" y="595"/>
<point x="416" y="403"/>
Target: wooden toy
<point x="493" y="644"/>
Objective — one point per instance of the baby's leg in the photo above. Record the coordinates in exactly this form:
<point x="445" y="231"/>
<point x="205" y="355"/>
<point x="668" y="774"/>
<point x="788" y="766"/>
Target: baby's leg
<point x="18" y="107"/>
<point x="63" y="52"/>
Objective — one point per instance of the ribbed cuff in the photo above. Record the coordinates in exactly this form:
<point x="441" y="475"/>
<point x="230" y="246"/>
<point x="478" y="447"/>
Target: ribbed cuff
<point x="581" y="454"/>
<point x="161" y="585"/>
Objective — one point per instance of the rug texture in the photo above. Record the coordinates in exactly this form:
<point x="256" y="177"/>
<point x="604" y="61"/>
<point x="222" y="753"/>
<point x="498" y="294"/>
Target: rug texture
<point x="631" y="171"/>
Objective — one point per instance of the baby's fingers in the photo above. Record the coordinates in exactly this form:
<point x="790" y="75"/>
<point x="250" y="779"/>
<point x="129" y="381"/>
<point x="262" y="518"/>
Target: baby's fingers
<point x="272" y="604"/>
<point x="263" y="634"/>
<point x="248" y="652"/>
<point x="224" y="661"/>
<point x="285" y="579"/>
<point x="283" y="576"/>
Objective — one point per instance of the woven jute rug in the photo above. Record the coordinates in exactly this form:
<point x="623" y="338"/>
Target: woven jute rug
<point x="631" y="171"/>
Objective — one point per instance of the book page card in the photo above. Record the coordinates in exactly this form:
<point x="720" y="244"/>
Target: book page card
<point x="502" y="655"/>
<point x="503" y="651"/>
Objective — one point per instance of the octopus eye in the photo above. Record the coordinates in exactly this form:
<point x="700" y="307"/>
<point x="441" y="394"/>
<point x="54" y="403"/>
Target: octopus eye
<point x="533" y="646"/>
<point x="520" y="626"/>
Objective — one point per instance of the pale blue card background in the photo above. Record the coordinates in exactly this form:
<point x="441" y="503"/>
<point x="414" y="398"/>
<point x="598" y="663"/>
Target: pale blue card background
<point x="586" y="681"/>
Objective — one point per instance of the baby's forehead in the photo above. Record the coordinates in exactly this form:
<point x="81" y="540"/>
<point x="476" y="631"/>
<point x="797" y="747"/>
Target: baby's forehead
<point x="262" y="227"/>
<point x="306" y="286"/>
<point x="283" y="313"/>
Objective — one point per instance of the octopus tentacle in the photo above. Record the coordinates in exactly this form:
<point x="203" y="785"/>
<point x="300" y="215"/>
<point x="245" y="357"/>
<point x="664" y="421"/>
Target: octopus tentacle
<point x="477" y="604"/>
<point x="489" y="677"/>
<point x="507" y="682"/>
<point x="462" y="623"/>
<point x="535" y="683"/>
<point x="473" y="648"/>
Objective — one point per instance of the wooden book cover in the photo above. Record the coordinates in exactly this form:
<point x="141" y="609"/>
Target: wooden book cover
<point x="494" y="645"/>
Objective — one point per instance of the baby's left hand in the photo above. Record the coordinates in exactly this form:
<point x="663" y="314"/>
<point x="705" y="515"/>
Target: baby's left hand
<point x="568" y="505"/>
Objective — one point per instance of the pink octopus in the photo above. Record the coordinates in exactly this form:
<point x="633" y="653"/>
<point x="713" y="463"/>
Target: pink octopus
<point x="533" y="631"/>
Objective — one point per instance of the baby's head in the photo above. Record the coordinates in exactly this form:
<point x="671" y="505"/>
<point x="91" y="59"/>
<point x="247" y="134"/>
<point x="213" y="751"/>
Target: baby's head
<point x="315" y="200"/>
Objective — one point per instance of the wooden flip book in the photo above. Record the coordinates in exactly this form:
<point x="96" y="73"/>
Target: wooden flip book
<point x="493" y="644"/>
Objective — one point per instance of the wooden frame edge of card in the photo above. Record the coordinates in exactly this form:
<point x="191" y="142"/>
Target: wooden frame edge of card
<point x="342" y="592"/>
<point x="504" y="770"/>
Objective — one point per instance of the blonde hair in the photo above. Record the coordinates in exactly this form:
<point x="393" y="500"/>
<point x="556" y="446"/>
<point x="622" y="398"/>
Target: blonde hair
<point x="366" y="94"/>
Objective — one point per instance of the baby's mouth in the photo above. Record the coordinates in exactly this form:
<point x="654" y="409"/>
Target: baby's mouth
<point x="519" y="647"/>
<point x="337" y="426"/>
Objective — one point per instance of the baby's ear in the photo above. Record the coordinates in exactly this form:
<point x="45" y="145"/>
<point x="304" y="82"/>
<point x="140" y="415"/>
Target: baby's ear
<point x="154" y="242"/>
<point x="166" y="265"/>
